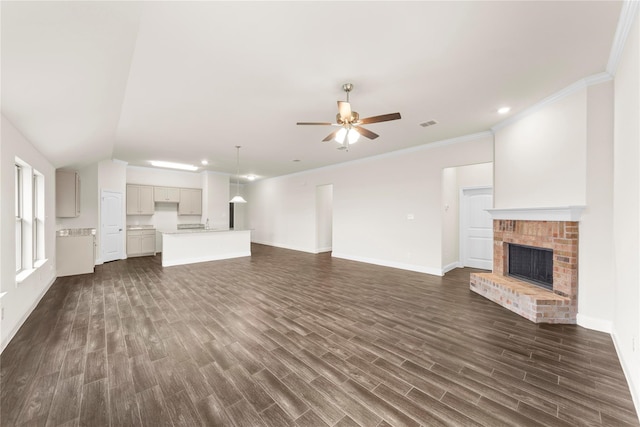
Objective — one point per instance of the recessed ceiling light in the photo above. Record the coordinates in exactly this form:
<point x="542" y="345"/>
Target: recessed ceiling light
<point x="172" y="165"/>
<point x="504" y="110"/>
<point x="204" y="162"/>
<point x="251" y="177"/>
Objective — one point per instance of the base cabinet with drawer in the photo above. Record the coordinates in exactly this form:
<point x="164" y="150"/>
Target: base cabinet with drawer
<point x="141" y="242"/>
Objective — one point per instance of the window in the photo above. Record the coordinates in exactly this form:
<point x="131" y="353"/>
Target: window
<point x="18" y="209"/>
<point x="38" y="216"/>
<point x="29" y="212"/>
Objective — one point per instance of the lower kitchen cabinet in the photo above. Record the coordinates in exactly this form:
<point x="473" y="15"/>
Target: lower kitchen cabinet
<point x="141" y="242"/>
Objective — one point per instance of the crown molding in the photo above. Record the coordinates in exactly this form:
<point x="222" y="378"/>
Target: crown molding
<point x="625" y="22"/>
<point x="572" y="88"/>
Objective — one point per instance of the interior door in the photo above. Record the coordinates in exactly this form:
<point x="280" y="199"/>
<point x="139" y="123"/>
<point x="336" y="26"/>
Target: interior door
<point x="112" y="228"/>
<point x="476" y="228"/>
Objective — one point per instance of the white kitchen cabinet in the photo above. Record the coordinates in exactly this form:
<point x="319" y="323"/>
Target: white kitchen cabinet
<point x="190" y="201"/>
<point x="67" y="194"/>
<point x="140" y="200"/>
<point x="166" y="194"/>
<point x="141" y="242"/>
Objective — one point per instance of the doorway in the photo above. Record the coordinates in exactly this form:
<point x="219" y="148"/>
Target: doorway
<point x="324" y="218"/>
<point x="476" y="228"/>
<point x="111" y="235"/>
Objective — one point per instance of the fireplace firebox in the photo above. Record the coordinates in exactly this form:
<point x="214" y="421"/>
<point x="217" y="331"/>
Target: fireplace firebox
<point x="534" y="265"/>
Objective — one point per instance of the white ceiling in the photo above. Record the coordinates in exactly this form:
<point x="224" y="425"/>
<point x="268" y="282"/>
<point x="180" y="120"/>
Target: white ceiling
<point x="183" y="81"/>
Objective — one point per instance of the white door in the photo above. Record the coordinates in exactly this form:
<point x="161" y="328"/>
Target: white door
<point x="476" y="228"/>
<point x="112" y="229"/>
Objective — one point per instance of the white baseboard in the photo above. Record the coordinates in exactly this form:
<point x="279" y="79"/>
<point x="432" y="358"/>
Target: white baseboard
<point x="322" y="250"/>
<point x="447" y="268"/>
<point x="24" y="317"/>
<point x="634" y="385"/>
<point x="393" y="264"/>
<point x="285" y="246"/>
<point x="594" y="323"/>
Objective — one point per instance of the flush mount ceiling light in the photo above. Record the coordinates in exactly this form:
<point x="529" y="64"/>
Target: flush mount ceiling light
<point x="172" y="165"/>
<point x="251" y="177"/>
<point x="204" y="162"/>
<point x="504" y="110"/>
<point x="237" y="198"/>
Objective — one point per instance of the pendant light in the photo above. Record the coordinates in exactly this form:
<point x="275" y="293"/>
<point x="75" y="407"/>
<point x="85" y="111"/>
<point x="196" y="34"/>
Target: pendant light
<point x="237" y="198"/>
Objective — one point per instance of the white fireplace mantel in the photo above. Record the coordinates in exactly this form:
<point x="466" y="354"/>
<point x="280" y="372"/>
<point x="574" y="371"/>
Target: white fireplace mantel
<point x="561" y="213"/>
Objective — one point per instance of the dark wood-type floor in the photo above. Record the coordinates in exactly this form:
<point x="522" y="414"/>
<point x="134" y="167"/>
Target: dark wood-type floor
<point x="286" y="338"/>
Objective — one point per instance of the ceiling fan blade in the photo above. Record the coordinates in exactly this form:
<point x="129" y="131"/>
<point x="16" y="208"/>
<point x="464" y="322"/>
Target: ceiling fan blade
<point x="331" y="136"/>
<point x="345" y="110"/>
<point x="382" y="118"/>
<point x="315" y="123"/>
<point x="365" y="132"/>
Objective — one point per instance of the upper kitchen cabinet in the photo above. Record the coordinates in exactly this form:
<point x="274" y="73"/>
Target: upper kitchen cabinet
<point x="140" y="200"/>
<point x="67" y="194"/>
<point x="190" y="201"/>
<point x="166" y="194"/>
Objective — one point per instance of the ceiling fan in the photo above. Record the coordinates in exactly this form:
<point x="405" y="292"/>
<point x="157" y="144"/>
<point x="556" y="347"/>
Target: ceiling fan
<point x="350" y="123"/>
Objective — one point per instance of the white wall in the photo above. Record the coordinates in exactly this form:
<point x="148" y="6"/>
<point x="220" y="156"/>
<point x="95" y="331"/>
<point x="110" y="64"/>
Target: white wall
<point x="324" y="218"/>
<point x="595" y="267"/>
<point x="163" y="177"/>
<point x="215" y="200"/>
<point x="450" y="217"/>
<point x="453" y="181"/>
<point x="541" y="159"/>
<point x="19" y="300"/>
<point x="626" y="210"/>
<point x="372" y="199"/>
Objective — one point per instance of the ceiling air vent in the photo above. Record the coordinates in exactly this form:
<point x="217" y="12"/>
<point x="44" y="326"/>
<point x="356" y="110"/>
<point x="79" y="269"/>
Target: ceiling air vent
<point x="429" y="123"/>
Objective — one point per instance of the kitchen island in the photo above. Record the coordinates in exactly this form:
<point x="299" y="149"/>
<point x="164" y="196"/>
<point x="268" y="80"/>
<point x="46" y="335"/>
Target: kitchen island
<point x="199" y="245"/>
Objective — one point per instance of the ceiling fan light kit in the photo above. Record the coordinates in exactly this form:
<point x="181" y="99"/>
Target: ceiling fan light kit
<point x="351" y="124"/>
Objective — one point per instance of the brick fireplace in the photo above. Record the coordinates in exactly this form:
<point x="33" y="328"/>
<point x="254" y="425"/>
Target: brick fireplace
<point x="540" y="305"/>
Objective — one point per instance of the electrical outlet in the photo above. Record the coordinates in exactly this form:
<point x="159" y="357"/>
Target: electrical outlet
<point x="2" y="313"/>
<point x="410" y="217"/>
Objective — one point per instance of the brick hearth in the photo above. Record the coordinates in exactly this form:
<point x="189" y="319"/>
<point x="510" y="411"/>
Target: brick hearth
<point x="532" y="302"/>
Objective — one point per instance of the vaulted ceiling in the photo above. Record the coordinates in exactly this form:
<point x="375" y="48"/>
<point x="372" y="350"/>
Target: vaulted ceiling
<point x="186" y="81"/>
